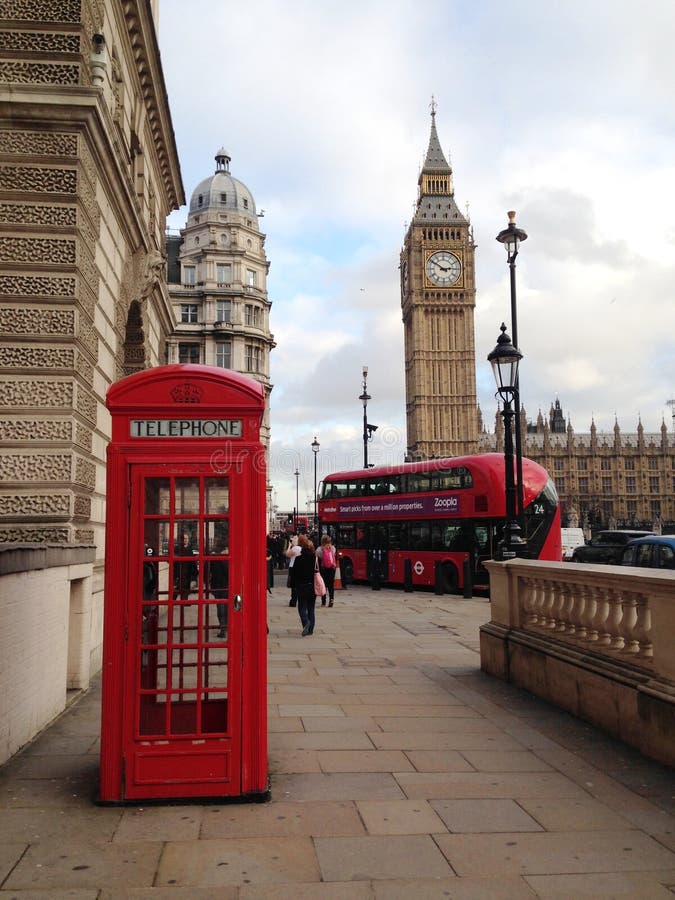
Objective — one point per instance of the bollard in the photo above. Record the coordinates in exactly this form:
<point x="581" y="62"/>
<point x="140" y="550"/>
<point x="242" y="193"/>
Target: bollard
<point x="468" y="580"/>
<point x="407" y="576"/>
<point x="438" y="578"/>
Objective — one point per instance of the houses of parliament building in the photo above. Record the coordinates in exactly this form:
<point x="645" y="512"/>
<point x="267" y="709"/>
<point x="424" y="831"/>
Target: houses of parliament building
<point x="603" y="480"/>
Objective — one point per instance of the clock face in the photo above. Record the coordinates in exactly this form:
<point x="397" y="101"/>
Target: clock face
<point x="404" y="276"/>
<point x="443" y="268"/>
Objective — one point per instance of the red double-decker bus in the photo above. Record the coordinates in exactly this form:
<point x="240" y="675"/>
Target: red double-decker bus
<point x="434" y="520"/>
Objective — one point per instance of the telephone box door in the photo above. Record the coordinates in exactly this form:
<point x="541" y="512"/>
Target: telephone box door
<point x="183" y="697"/>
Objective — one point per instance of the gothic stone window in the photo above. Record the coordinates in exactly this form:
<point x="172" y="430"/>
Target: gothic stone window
<point x="629" y="463"/>
<point x="583" y="485"/>
<point x="189" y="312"/>
<point x="654" y="484"/>
<point x="653" y="463"/>
<point x="630" y="484"/>
<point x="582" y="465"/>
<point x="605" y="465"/>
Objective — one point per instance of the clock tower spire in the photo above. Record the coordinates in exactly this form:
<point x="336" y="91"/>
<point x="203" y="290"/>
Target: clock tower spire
<point x="438" y="297"/>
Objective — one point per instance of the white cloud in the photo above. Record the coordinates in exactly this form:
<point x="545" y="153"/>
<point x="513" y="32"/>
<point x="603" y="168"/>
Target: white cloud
<point x="560" y="111"/>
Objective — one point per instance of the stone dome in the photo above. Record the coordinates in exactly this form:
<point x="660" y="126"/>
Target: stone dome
<point x="222" y="191"/>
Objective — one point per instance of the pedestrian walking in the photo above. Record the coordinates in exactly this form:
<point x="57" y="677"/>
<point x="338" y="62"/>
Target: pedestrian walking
<point x="327" y="564"/>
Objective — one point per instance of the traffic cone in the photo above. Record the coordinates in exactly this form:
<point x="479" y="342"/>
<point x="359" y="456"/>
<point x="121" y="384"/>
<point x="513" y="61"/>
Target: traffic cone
<point x="337" y="583"/>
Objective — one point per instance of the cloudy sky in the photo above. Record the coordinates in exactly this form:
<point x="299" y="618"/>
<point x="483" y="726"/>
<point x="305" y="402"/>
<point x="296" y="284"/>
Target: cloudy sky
<point x="561" y="111"/>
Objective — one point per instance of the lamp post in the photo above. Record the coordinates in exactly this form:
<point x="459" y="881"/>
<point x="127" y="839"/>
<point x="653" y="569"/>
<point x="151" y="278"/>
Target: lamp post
<point x="297" y="506"/>
<point x="505" y="359"/>
<point x="315" y="450"/>
<point x="367" y="429"/>
<point x="512" y="237"/>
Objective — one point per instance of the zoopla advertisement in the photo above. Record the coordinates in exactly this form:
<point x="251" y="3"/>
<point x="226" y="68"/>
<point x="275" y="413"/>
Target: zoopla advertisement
<point x="391" y="508"/>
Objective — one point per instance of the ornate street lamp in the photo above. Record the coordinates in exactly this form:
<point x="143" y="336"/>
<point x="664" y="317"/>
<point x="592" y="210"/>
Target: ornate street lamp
<point x="297" y="504"/>
<point x="505" y="359"/>
<point x="512" y="237"/>
<point x="315" y="450"/>
<point x="367" y="429"/>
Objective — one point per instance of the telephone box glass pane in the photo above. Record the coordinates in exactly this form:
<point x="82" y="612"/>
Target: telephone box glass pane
<point x="218" y="537"/>
<point x="157" y="496"/>
<point x="156" y="536"/>
<point x="187" y="496"/>
<point x="216" y="496"/>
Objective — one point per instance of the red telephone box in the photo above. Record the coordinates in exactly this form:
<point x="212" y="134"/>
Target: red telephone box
<point x="184" y="651"/>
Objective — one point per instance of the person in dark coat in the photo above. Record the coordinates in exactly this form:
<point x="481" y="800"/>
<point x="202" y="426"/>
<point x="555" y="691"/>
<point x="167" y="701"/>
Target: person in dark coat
<point x="303" y="583"/>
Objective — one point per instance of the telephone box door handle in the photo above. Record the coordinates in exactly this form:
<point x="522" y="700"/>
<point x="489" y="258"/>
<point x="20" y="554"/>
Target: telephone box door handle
<point x="237" y="602"/>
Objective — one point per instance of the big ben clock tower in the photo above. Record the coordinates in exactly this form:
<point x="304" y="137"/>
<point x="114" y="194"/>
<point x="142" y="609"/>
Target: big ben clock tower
<point x="438" y="297"/>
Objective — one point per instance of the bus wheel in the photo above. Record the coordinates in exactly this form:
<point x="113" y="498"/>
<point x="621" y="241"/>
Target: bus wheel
<point x="450" y="578"/>
<point x="347" y="571"/>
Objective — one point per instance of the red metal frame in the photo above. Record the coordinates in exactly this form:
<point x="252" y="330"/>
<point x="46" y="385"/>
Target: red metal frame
<point x="184" y="707"/>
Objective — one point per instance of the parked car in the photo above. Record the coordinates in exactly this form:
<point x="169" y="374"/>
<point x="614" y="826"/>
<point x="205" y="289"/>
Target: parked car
<point x="571" y="538"/>
<point x="654" y="552"/>
<point x="606" y="547"/>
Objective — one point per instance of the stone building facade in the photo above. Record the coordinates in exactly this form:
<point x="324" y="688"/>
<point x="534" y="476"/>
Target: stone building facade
<point x="438" y="298"/>
<point x="217" y="274"/>
<point x="604" y="480"/>
<point x="88" y="174"/>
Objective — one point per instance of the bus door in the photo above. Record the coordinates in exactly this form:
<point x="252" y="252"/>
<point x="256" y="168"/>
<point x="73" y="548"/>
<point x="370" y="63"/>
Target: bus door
<point x="484" y="546"/>
<point x="378" y="557"/>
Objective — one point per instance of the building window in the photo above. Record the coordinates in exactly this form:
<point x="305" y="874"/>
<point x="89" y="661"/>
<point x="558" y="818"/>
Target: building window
<point x="607" y="485"/>
<point x="223" y="274"/>
<point x="654" y="484"/>
<point x="630" y="484"/>
<point x="189" y="312"/>
<point x="253" y="358"/>
<point x="224" y="354"/>
<point x="560" y="484"/>
<point x="189" y="276"/>
<point x="188" y="353"/>
<point x="631" y="508"/>
<point x="245" y="203"/>
<point x="252" y="315"/>
<point x="200" y="200"/>
<point x="629" y="464"/>
<point x="653" y="463"/>
<point x="224" y="311"/>
<point x="223" y="198"/>
<point x="605" y="465"/>
<point x="558" y="465"/>
<point x="250" y="277"/>
<point x="583" y="485"/>
<point x="582" y="465"/>
<point x="655" y="508"/>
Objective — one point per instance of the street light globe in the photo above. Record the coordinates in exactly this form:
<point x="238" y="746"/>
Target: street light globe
<point x="505" y="359"/>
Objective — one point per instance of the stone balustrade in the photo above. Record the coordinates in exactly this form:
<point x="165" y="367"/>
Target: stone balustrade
<point x="596" y="640"/>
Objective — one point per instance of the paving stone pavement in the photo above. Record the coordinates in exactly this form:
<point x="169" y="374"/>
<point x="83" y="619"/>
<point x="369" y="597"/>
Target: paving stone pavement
<point x="398" y="770"/>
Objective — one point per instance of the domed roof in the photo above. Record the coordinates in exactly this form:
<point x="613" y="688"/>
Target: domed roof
<point x="222" y="191"/>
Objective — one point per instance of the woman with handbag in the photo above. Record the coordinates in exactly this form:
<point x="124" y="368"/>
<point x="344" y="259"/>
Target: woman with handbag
<point x="327" y="565"/>
<point x="303" y="582"/>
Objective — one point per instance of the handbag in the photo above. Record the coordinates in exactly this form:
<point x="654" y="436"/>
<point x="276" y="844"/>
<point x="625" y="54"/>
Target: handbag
<point x="319" y="586"/>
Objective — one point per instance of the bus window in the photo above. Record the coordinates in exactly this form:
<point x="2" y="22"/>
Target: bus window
<point x="395" y="535"/>
<point x="345" y="536"/>
<point x="451" y="479"/>
<point x="419" y="535"/>
<point x="437" y="536"/>
<point x="418" y="482"/>
<point x="482" y="538"/>
<point x="449" y="534"/>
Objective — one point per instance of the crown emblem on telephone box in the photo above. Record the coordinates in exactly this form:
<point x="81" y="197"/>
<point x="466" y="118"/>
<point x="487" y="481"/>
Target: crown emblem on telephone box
<point x="186" y="393"/>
